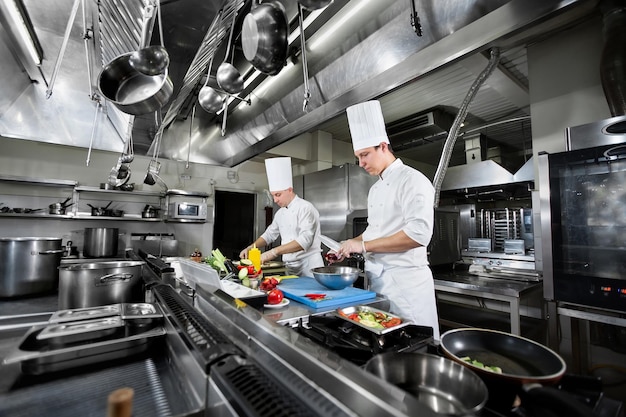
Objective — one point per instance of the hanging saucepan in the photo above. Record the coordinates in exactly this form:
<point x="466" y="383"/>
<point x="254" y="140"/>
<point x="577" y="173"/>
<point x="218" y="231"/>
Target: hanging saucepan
<point x="264" y="37"/>
<point x="228" y="77"/>
<point x="526" y="366"/>
<point x="314" y="4"/>
<point x="132" y="91"/>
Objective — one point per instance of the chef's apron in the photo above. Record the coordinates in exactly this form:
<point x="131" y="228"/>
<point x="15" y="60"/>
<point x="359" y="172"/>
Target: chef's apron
<point x="409" y="290"/>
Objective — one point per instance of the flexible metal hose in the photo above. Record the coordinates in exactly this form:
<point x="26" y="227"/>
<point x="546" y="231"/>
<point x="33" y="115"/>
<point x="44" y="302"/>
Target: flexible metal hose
<point x="448" y="146"/>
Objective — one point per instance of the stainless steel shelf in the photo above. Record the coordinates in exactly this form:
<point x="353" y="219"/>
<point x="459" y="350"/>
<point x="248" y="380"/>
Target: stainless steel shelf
<point x="129" y="193"/>
<point x="39" y="181"/>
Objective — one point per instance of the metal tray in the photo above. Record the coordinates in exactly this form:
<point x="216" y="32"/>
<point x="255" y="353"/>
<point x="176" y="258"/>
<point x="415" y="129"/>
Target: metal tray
<point x="140" y="311"/>
<point x="76" y="331"/>
<point x="355" y="309"/>
<point x="85" y="313"/>
<point x="37" y="358"/>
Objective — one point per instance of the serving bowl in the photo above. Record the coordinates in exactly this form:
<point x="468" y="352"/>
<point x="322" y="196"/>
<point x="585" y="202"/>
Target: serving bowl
<point x="335" y="277"/>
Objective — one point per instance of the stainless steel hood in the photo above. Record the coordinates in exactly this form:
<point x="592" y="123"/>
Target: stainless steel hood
<point x="372" y="53"/>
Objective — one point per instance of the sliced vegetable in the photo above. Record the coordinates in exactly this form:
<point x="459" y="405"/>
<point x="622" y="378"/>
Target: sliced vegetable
<point x="480" y="365"/>
<point x="242" y="273"/>
<point x="315" y="296"/>
<point x="246" y="262"/>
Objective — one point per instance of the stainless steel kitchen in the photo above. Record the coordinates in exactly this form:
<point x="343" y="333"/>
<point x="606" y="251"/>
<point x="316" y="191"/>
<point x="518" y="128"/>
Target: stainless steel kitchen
<point x="134" y="176"/>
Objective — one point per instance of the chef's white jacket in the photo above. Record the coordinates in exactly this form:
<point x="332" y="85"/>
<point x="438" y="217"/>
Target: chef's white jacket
<point x="403" y="199"/>
<point x="299" y="221"/>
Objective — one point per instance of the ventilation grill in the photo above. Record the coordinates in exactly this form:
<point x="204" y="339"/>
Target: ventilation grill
<point x="418" y="129"/>
<point x="252" y="393"/>
<point x="206" y="341"/>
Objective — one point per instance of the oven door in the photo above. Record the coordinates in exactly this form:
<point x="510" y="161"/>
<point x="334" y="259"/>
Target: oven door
<point x="588" y="225"/>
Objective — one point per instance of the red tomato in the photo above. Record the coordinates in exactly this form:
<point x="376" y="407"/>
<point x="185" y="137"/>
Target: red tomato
<point x="275" y="296"/>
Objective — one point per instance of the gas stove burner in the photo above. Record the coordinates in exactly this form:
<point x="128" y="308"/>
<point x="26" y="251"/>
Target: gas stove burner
<point x="357" y="344"/>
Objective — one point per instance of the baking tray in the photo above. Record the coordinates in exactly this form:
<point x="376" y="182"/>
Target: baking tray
<point x="77" y="331"/>
<point x="356" y="309"/>
<point x="38" y="357"/>
<point x="85" y="313"/>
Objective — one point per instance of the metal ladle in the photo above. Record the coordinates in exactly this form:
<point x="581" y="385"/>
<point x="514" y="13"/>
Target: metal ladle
<point x="228" y="77"/>
<point x="209" y="99"/>
<point x="151" y="59"/>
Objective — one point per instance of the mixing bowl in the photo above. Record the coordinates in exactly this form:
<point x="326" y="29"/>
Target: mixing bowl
<point x="335" y="277"/>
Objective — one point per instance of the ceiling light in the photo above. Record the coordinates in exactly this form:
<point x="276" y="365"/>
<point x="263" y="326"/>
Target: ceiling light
<point x="327" y="32"/>
<point x="20" y="26"/>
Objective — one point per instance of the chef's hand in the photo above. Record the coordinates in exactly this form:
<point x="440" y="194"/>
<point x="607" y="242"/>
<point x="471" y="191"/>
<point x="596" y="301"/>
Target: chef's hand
<point x="244" y="253"/>
<point x="268" y="256"/>
<point x="348" y="247"/>
<point x="331" y="257"/>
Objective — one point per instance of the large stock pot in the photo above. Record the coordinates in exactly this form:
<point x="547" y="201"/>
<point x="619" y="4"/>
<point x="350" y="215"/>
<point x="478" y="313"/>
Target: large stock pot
<point x="28" y="265"/>
<point x="101" y="242"/>
<point x="100" y="283"/>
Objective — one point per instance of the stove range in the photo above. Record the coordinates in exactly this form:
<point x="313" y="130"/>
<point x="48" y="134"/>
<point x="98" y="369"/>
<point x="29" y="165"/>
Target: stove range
<point x="358" y="345"/>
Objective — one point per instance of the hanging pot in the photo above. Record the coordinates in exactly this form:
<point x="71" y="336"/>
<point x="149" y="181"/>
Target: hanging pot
<point x="130" y="90"/>
<point x="264" y="37"/>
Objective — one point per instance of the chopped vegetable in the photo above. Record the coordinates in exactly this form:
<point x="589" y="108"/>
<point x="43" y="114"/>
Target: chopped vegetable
<point x="373" y="319"/>
<point x="217" y="260"/>
<point x="480" y="365"/>
<point x="243" y="273"/>
<point x="315" y="297"/>
<point x="246" y="262"/>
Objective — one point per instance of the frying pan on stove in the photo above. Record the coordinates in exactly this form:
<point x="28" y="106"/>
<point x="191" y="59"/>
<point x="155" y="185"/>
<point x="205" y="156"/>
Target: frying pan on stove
<point x="529" y="369"/>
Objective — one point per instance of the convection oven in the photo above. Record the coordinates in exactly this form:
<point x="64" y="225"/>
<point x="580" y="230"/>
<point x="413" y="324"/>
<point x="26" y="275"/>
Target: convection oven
<point x="585" y="190"/>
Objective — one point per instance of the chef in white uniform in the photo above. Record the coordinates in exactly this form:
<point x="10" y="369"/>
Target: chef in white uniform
<point x="400" y="222"/>
<point x="297" y="223"/>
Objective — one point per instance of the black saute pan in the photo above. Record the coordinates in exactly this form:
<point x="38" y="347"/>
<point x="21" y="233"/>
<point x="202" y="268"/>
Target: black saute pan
<point x="529" y="369"/>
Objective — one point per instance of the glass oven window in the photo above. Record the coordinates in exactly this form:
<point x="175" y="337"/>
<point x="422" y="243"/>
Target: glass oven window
<point x="185" y="209"/>
<point x="588" y="208"/>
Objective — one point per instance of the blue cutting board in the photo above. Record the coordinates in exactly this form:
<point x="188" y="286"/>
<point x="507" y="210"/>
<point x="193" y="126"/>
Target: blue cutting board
<point x="295" y="289"/>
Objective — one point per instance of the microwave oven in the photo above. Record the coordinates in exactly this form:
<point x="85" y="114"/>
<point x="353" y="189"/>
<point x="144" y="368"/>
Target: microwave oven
<point x="187" y="211"/>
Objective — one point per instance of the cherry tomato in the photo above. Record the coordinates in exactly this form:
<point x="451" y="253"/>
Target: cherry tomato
<point x="275" y="296"/>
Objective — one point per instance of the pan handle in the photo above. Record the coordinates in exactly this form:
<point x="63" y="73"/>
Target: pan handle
<point x="115" y="277"/>
<point x="48" y="252"/>
<point x="559" y="402"/>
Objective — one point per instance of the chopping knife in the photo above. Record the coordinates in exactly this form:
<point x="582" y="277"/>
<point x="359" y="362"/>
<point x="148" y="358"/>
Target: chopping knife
<point x="332" y="244"/>
<point x="335" y="246"/>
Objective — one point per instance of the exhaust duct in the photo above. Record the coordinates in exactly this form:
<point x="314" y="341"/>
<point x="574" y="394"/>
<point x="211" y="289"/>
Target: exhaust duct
<point x="613" y="60"/>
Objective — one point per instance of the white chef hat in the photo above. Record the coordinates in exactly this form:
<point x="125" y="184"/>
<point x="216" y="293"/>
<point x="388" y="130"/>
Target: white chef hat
<point x="367" y="125"/>
<point x="279" y="174"/>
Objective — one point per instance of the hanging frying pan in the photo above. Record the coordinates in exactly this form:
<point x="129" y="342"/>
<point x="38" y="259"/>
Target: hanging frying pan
<point x="526" y="367"/>
<point x="264" y="37"/>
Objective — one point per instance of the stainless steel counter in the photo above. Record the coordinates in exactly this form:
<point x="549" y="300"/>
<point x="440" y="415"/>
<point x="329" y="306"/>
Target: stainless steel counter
<point x="509" y="291"/>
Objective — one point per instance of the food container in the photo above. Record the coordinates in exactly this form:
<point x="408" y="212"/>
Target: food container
<point x="79" y="331"/>
<point x="344" y="313"/>
<point x="78" y="314"/>
<point x="40" y="356"/>
<point x="100" y="283"/>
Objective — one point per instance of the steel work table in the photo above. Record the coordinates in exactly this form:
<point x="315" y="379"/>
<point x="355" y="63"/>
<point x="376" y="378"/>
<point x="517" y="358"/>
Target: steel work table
<point x="509" y="291"/>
